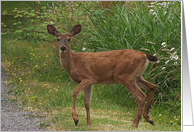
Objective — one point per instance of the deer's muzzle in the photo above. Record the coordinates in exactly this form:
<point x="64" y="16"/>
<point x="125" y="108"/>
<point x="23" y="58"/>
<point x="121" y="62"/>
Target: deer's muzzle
<point x="63" y="48"/>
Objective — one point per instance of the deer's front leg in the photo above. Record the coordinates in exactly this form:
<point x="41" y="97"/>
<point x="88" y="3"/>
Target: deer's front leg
<point x="82" y="86"/>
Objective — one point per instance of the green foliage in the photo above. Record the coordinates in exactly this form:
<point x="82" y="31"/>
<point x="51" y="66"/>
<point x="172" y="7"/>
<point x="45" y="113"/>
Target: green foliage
<point x="61" y="14"/>
<point x="154" y="29"/>
<point x="7" y="7"/>
<point x="32" y="59"/>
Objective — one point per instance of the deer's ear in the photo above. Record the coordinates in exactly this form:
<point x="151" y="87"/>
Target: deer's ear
<point x="75" y="30"/>
<point x="52" y="30"/>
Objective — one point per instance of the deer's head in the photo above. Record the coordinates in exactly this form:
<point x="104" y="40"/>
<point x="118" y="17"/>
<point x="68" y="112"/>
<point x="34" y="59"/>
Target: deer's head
<point x="63" y="38"/>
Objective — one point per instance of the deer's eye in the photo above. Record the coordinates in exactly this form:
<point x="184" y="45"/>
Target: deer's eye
<point x="58" y="39"/>
<point x="69" y="39"/>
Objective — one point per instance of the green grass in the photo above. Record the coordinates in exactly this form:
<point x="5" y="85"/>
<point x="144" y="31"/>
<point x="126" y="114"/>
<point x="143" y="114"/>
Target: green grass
<point x="31" y="57"/>
<point x="8" y="7"/>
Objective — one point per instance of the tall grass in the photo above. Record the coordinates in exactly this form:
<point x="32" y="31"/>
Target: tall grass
<point x="153" y="29"/>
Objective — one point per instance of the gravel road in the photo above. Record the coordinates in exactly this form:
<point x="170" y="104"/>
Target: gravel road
<point x="12" y="119"/>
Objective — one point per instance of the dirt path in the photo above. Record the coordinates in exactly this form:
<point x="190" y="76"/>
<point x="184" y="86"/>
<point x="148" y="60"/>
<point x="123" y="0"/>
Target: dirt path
<point x="12" y="119"/>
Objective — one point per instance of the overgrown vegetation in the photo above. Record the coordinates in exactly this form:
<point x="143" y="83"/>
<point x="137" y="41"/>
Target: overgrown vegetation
<point x="31" y="57"/>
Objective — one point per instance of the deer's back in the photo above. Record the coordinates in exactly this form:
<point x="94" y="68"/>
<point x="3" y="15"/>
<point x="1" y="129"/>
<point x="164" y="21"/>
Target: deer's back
<point x="100" y="66"/>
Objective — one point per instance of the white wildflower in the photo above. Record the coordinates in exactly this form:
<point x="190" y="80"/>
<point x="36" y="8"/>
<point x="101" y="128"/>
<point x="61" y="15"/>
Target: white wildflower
<point x="164" y="3"/>
<point x="152" y="3"/>
<point x="171" y="49"/>
<point x="163" y="44"/>
<point x="151" y="10"/>
<point x="176" y="57"/>
<point x="151" y="6"/>
<point x="171" y="57"/>
<point x="154" y="13"/>
<point x="83" y="49"/>
<point x="166" y="61"/>
<point x="160" y="115"/>
<point x="163" y="68"/>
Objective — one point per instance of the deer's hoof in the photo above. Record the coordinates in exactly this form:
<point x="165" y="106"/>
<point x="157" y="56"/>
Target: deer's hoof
<point x="76" y="122"/>
<point x="152" y="122"/>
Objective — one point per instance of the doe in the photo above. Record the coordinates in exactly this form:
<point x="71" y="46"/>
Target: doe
<point x="109" y="67"/>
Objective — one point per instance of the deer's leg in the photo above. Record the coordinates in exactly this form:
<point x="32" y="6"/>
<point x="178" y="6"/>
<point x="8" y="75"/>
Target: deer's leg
<point x="150" y="89"/>
<point x="87" y="99"/>
<point x="82" y="86"/>
<point x="140" y="96"/>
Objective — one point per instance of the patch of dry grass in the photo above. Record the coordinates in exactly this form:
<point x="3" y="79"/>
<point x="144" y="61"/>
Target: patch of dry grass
<point x="102" y="120"/>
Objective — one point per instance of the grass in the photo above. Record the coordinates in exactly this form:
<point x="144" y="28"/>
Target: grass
<point x="8" y="7"/>
<point x="105" y="120"/>
<point x="41" y="84"/>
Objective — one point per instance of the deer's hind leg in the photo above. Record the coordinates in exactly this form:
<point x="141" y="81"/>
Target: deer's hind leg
<point x="139" y="95"/>
<point x="126" y="74"/>
<point x="87" y="99"/>
<point x="150" y="88"/>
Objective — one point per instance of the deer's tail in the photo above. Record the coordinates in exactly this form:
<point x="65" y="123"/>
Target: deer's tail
<point x="152" y="58"/>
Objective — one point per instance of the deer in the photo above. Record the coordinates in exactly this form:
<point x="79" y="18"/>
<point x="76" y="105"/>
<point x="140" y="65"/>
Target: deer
<point x="123" y="67"/>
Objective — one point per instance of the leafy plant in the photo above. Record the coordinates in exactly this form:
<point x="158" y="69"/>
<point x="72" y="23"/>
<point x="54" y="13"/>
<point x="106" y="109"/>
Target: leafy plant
<point x="153" y="28"/>
<point x="62" y="14"/>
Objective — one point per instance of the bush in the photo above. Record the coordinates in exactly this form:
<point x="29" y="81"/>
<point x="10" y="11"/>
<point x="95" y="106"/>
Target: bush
<point x="63" y="15"/>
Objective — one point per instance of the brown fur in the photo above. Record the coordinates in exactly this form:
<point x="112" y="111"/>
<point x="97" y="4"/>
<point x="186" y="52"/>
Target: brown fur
<point x="110" y="67"/>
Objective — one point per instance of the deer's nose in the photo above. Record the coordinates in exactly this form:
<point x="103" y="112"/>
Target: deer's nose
<point x="63" y="48"/>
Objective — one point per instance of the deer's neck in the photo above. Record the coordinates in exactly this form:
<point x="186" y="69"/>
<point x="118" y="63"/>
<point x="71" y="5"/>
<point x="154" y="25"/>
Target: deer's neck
<point x="66" y="59"/>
